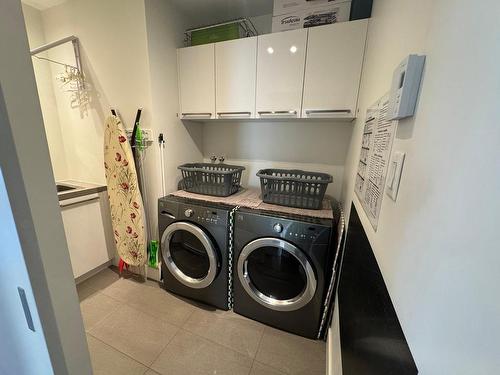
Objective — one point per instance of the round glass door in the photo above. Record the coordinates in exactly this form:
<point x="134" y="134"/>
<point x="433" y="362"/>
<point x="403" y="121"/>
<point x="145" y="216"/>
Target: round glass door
<point x="276" y="274"/>
<point x="189" y="254"/>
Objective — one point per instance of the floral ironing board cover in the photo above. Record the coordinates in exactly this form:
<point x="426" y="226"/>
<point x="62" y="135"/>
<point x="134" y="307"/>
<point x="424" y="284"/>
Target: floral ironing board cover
<point x="127" y="211"/>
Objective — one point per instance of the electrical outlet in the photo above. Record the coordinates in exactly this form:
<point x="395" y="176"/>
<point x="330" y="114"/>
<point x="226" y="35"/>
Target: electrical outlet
<point x="394" y="174"/>
<point x="147" y="134"/>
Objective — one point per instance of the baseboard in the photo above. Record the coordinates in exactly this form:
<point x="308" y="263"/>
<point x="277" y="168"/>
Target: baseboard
<point x="329" y="352"/>
<point x="154" y="273"/>
<point x="333" y="346"/>
<point x="93" y="272"/>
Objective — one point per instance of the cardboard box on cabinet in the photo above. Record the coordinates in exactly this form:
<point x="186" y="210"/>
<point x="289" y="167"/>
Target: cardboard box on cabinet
<point x="293" y="6"/>
<point x="333" y="12"/>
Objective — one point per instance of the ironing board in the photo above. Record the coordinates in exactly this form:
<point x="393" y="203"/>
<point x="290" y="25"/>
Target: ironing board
<point x="127" y="210"/>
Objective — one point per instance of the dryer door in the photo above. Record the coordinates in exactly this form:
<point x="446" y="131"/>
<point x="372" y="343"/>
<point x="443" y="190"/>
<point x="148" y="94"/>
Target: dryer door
<point x="189" y="254"/>
<point x="276" y="274"/>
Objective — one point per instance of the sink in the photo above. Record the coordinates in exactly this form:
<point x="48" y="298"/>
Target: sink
<point x="62" y="187"/>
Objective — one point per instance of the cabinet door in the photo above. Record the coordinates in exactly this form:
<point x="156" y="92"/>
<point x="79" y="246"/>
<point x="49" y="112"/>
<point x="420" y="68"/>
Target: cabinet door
<point x="196" y="69"/>
<point x="280" y="73"/>
<point x="84" y="229"/>
<point x="333" y="69"/>
<point x="235" y="75"/>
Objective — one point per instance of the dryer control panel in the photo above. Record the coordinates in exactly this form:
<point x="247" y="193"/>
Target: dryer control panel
<point x="299" y="232"/>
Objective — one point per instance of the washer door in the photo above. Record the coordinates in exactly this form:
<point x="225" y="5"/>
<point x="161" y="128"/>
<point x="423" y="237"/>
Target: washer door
<point x="189" y="254"/>
<point x="276" y="274"/>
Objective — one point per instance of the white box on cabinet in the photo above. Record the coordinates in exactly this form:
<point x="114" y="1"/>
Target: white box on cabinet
<point x="333" y="70"/>
<point x="280" y="74"/>
<point x="235" y="77"/>
<point x="289" y="6"/>
<point x="322" y="15"/>
<point x="196" y="71"/>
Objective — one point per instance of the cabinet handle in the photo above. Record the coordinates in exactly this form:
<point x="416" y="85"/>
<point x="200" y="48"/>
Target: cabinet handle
<point x="232" y="114"/>
<point x="278" y="113"/>
<point x="196" y="115"/>
<point x="326" y="111"/>
<point x="72" y="203"/>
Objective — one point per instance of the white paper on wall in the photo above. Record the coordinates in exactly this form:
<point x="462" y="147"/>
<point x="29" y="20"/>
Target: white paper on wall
<point x="378" y="135"/>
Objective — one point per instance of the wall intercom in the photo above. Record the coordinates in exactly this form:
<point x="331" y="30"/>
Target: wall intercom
<point x="405" y="85"/>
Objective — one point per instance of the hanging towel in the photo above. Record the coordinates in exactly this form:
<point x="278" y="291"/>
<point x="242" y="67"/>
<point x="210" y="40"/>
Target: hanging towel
<point x="127" y="210"/>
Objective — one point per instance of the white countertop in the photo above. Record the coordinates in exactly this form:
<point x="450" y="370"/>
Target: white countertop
<point x="81" y="189"/>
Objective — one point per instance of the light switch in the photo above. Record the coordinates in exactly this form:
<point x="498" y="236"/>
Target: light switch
<point x="394" y="174"/>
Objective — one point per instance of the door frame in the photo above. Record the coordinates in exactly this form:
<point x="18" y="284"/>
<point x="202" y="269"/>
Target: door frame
<point x="25" y="163"/>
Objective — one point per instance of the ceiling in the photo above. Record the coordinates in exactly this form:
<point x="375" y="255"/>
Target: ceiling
<point x="198" y="11"/>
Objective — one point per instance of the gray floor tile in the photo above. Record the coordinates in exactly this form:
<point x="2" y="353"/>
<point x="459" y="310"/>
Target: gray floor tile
<point x="261" y="369"/>
<point x="124" y="290"/>
<point x="134" y="333"/>
<point x="218" y="342"/>
<point x="85" y="290"/>
<point x="97" y="307"/>
<point x="163" y="305"/>
<point x="96" y="283"/>
<point x="152" y="283"/>
<point x="228" y="329"/>
<point x="109" y="361"/>
<point x="190" y="354"/>
<point x="291" y="354"/>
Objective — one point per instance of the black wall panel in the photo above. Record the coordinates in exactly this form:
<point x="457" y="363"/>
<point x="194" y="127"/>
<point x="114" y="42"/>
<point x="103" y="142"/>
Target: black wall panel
<point x="370" y="334"/>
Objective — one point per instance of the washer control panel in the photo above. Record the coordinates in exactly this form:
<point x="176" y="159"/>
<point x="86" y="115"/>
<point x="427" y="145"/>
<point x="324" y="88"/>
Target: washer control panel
<point x="206" y="215"/>
<point x="171" y="210"/>
<point x="299" y="232"/>
<point x="278" y="228"/>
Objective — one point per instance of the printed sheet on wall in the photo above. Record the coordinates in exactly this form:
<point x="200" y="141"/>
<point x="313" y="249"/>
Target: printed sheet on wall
<point x="378" y="135"/>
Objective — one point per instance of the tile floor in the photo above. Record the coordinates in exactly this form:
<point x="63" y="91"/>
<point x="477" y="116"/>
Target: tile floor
<point x="137" y="328"/>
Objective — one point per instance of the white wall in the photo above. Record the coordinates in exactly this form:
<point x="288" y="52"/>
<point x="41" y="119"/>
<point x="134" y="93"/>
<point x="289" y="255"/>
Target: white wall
<point x="165" y="27"/>
<point x="113" y="43"/>
<point x="126" y="63"/>
<point x="319" y="146"/>
<point x="45" y="85"/>
<point x="129" y="64"/>
<point x="129" y="59"/>
<point x="437" y="246"/>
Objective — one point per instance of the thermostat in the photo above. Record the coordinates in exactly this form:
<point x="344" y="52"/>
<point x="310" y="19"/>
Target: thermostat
<point x="405" y="85"/>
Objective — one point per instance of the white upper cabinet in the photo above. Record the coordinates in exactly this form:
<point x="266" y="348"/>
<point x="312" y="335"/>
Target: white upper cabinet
<point x="333" y="69"/>
<point x="235" y="71"/>
<point x="280" y="73"/>
<point x="196" y="69"/>
<point x="304" y="73"/>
